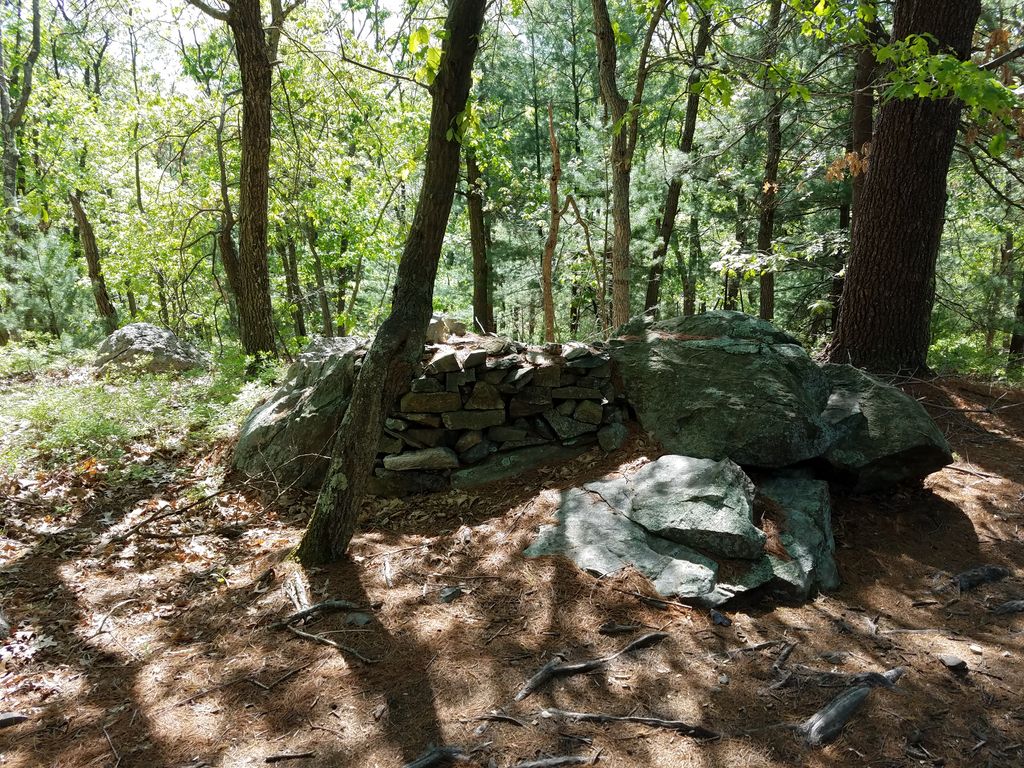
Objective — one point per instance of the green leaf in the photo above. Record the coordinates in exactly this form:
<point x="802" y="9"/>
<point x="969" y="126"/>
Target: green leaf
<point x="418" y="39"/>
<point x="997" y="145"/>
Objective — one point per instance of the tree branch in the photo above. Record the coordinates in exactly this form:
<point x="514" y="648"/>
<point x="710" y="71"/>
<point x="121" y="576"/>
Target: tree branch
<point x="209" y="10"/>
<point x="997" y="62"/>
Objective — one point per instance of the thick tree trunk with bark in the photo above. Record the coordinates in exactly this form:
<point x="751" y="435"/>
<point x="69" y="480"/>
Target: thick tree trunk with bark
<point x="773" y="154"/>
<point x="398" y="345"/>
<point x="890" y="282"/>
<point x="548" y="259"/>
<point x="91" y="251"/>
<point x="483" y="310"/>
<point x="255" y="310"/>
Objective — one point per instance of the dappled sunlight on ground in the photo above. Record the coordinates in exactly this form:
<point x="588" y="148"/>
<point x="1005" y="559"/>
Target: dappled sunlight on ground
<point x="159" y="649"/>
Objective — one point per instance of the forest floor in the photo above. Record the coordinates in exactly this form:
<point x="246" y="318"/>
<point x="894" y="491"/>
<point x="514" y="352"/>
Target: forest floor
<point x="154" y="644"/>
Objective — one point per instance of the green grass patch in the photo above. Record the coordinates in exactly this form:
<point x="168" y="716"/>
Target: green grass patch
<point x="61" y="419"/>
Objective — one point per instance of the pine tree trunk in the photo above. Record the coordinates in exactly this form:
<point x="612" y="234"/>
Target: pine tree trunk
<point x="483" y="311"/>
<point x="255" y="311"/>
<point x="890" y="282"/>
<point x="398" y="345"/>
<point x="773" y="154"/>
<point x="1016" y="351"/>
<point x="548" y="259"/>
<point x="91" y="251"/>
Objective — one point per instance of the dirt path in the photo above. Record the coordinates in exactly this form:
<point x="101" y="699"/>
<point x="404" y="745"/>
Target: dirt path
<point x="159" y="650"/>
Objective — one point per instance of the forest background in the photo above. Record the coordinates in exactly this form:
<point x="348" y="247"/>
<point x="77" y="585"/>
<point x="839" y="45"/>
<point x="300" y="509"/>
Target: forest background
<point x="744" y="123"/>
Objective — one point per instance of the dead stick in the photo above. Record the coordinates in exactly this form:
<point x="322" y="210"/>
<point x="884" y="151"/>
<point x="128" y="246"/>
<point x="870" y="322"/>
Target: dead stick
<point x="555" y="762"/>
<point x="168" y="513"/>
<point x="290" y="756"/>
<point x="544" y="674"/>
<point x="327" y="641"/>
<point x="437" y="756"/>
<point x="555" y="668"/>
<point x="686" y="729"/>
<point x="327" y="606"/>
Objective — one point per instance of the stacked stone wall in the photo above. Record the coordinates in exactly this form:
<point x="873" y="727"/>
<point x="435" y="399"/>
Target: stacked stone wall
<point x="485" y="408"/>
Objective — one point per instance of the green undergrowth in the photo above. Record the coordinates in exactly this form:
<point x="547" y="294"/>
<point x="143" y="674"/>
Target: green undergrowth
<point x="63" y="413"/>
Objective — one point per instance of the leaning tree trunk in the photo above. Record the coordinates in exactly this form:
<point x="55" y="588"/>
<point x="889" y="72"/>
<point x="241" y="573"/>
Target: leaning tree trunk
<point x="255" y="310"/>
<point x="91" y="250"/>
<point x="398" y="345"/>
<point x="671" y="207"/>
<point x="483" y="311"/>
<point x="890" y="282"/>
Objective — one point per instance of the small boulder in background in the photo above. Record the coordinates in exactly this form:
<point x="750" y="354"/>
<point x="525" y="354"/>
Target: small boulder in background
<point x="151" y="349"/>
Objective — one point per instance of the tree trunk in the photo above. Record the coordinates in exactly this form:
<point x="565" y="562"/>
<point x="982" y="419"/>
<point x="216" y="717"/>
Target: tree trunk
<point x="773" y="154"/>
<point x="731" y="285"/>
<point x="291" y="281"/>
<point x="91" y="252"/>
<point x="690" y="292"/>
<point x="398" y="345"/>
<point x="890" y="282"/>
<point x="326" y="320"/>
<point x="548" y="259"/>
<point x="1016" y="351"/>
<point x="670" y="209"/>
<point x="255" y="311"/>
<point x="12" y="113"/>
<point x="483" y="311"/>
<point x="624" y="116"/>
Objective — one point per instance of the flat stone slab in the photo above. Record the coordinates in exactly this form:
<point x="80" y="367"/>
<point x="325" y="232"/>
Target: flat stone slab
<point x="679" y="520"/>
<point x="428" y="458"/>
<point x="705" y="504"/>
<point x="505" y="465"/>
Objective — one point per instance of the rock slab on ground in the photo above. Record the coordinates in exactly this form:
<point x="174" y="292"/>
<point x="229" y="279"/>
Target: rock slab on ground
<point x="151" y="349"/>
<point x="673" y="519"/>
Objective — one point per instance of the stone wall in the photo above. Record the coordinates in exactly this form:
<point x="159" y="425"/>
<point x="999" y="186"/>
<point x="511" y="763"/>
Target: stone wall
<point x="486" y="408"/>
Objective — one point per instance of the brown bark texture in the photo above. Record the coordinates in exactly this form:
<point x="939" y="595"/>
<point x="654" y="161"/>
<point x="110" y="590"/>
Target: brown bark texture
<point x="624" y="115"/>
<point x="890" y="283"/>
<point x="398" y="345"/>
<point x="773" y="154"/>
<point x="91" y="251"/>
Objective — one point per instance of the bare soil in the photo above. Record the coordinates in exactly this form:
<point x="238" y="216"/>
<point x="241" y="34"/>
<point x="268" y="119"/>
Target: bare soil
<point x="159" y="650"/>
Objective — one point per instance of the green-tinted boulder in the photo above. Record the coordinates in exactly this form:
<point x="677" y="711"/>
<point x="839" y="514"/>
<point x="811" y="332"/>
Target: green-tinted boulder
<point x="725" y="385"/>
<point x="288" y="437"/>
<point x="884" y="435"/>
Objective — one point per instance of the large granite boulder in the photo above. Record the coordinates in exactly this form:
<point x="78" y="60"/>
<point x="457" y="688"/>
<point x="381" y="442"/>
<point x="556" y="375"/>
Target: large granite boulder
<point x="146" y="347"/>
<point x="884" y="436"/>
<point x="288" y="437"/>
<point x="725" y="385"/>
<point x="690" y="526"/>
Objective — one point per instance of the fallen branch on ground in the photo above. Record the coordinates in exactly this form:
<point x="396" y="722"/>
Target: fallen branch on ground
<point x="556" y="762"/>
<point x="327" y="606"/>
<point x="686" y="729"/>
<point x="828" y="722"/>
<point x="290" y="756"/>
<point x="334" y="644"/>
<point x="555" y="667"/>
<point x="438" y="756"/>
